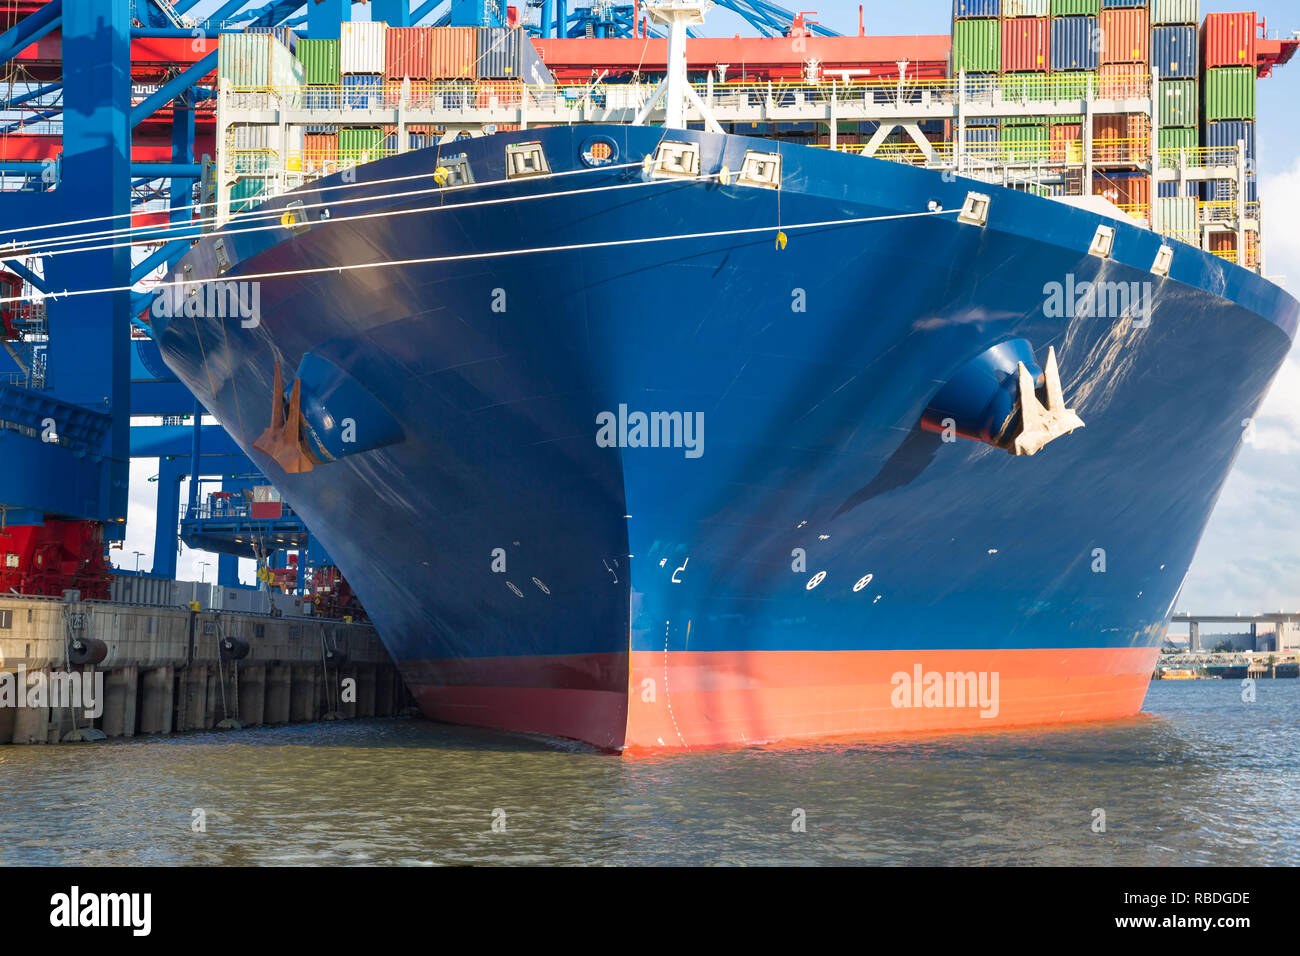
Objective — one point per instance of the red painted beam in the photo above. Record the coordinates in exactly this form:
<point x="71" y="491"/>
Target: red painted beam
<point x="927" y="55"/>
<point x="34" y="148"/>
<point x="150" y="56"/>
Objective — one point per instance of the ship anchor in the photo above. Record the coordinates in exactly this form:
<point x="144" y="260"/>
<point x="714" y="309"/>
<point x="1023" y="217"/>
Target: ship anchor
<point x="282" y="439"/>
<point x="1039" y="423"/>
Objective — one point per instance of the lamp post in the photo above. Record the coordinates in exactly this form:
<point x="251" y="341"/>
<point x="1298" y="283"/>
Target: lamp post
<point x="138" y="556"/>
<point x="203" y="566"/>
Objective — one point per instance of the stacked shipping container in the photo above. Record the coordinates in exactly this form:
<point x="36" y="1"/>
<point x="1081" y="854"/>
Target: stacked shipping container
<point x="1122" y="141"/>
<point x="1058" y="49"/>
<point x="1228" y="101"/>
<point x="1175" y="55"/>
<point x="371" y="64"/>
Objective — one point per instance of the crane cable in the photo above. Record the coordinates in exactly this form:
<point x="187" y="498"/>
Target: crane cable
<point x="280" y="214"/>
<point x="476" y="256"/>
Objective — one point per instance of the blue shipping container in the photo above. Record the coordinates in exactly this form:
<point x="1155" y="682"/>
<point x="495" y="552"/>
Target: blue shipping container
<point x="1221" y="140"/>
<point x="1220" y="190"/>
<point x="284" y="34"/>
<point x="1108" y="4"/>
<point x="1175" y="52"/>
<point x="1074" y="45"/>
<point x="976" y="8"/>
<point x="362" y="91"/>
<point x="984" y="141"/>
<point x="983" y="84"/>
<point x="322" y="98"/>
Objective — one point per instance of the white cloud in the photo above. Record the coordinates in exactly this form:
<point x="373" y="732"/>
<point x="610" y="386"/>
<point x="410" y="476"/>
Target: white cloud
<point x="1279" y="196"/>
<point x="1277" y="424"/>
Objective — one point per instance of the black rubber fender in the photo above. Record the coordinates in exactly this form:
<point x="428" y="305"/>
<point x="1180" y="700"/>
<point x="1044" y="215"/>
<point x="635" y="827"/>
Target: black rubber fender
<point x="87" y="650"/>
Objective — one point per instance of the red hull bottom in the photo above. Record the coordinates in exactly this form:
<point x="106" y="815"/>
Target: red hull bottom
<point x="684" y="700"/>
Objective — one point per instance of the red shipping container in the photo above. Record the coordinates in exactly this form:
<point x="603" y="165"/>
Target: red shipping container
<point x="1125" y="36"/>
<point x="451" y="53"/>
<point x="1229" y="39"/>
<point x="1117" y="81"/>
<point x="406" y="53"/>
<point x="263" y="510"/>
<point x="1024" y="45"/>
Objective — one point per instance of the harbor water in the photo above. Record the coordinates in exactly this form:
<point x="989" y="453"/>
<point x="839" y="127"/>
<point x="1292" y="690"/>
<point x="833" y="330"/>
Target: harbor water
<point x="1202" y="777"/>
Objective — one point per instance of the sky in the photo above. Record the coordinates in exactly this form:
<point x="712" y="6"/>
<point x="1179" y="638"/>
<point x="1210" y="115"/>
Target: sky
<point x="1249" y="558"/>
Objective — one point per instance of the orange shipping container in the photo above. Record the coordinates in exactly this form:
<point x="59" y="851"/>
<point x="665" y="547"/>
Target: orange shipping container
<point x="392" y="94"/>
<point x="451" y="53"/>
<point x="1225" y="244"/>
<point x="1125" y="36"/>
<point x="1123" y="80"/>
<point x="508" y="94"/>
<point x="1066" y="145"/>
<point x="320" y="152"/>
<point x="406" y="53"/>
<point x="1131" y="193"/>
<point x="1121" y="137"/>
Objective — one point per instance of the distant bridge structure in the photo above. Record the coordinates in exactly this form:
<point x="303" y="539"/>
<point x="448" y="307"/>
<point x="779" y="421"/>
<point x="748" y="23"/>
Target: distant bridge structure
<point x="1194" y="622"/>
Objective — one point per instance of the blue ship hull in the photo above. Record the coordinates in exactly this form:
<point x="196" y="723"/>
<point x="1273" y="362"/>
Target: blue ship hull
<point x="524" y="575"/>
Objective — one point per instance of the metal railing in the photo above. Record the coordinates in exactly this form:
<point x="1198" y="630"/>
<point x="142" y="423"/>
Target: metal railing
<point x="206" y="511"/>
<point x="470" y="93"/>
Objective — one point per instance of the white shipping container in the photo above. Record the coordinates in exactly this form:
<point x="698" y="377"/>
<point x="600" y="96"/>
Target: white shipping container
<point x="361" y="47"/>
<point x="255" y="136"/>
<point x="1175" y="11"/>
<point x="1025" y="8"/>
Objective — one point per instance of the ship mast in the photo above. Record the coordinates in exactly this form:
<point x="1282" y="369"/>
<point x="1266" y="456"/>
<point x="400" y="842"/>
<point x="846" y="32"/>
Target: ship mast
<point x="675" y="89"/>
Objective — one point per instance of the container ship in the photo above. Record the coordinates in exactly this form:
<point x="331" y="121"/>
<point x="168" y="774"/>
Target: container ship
<point x="671" y="425"/>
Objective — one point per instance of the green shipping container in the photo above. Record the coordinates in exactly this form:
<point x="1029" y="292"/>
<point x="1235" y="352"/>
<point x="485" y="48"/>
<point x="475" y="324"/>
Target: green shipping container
<point x="1026" y="86"/>
<point x="1179" y="103"/>
<point x="1070" y="8"/>
<point x="320" y="60"/>
<point x="1178" y="217"/>
<point x="1230" y="93"/>
<point x="360" y="144"/>
<point x="1073" y="84"/>
<point x="1172" y="141"/>
<point x="1026" y="144"/>
<point x="977" y="46"/>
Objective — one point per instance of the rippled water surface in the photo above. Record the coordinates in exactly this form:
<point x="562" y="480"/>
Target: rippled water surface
<point x="1199" y="778"/>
